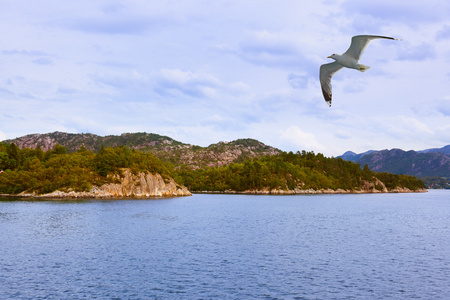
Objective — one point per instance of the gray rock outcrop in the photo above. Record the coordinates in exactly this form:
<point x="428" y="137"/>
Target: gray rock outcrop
<point x="140" y="185"/>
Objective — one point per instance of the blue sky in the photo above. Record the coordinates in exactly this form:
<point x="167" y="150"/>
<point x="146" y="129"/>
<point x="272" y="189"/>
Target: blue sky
<point x="208" y="71"/>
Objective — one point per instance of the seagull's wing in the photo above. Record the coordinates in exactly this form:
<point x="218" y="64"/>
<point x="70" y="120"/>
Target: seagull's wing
<point x="360" y="43"/>
<point x="326" y="72"/>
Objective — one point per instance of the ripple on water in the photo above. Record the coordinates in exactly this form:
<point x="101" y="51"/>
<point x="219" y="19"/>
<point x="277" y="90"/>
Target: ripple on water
<point x="228" y="246"/>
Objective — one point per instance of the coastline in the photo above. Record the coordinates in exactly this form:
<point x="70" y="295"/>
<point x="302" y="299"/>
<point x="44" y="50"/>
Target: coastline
<point x="57" y="195"/>
<point x="313" y="192"/>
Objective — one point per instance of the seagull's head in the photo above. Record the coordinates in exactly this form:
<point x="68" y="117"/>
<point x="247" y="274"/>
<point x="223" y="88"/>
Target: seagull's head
<point x="333" y="56"/>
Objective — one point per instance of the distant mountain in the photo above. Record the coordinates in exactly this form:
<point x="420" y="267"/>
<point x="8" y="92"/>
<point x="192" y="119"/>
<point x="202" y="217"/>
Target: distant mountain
<point x="165" y="148"/>
<point x="408" y="162"/>
<point x="431" y="162"/>
<point x="445" y="149"/>
<point x="352" y="156"/>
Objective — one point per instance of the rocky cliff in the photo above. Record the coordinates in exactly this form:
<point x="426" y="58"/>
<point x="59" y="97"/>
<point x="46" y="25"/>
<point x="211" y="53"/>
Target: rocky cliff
<point x="141" y="185"/>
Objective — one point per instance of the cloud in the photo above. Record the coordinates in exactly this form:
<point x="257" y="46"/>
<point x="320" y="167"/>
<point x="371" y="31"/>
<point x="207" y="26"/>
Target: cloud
<point x="66" y="90"/>
<point x="443" y="107"/>
<point x="444" y="33"/>
<point x="273" y="49"/>
<point x="106" y="66"/>
<point x="175" y="81"/>
<point x="132" y="80"/>
<point x="32" y="53"/>
<point x="401" y="126"/>
<point x="417" y="52"/>
<point x="412" y="13"/>
<point x="5" y="92"/>
<point x="39" y="57"/>
<point x="44" y="61"/>
<point x="115" y="64"/>
<point x="298" y="81"/>
<point x="355" y="86"/>
<point x="118" y="19"/>
<point x="303" y="140"/>
<point x="112" y="26"/>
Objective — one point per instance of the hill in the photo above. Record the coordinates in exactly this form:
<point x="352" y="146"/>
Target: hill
<point x="352" y="156"/>
<point x="408" y="162"/>
<point x="129" y="172"/>
<point x="425" y="163"/>
<point x="77" y="162"/>
<point x="73" y="141"/>
<point x="163" y="147"/>
<point x="431" y="165"/>
<point x="445" y="149"/>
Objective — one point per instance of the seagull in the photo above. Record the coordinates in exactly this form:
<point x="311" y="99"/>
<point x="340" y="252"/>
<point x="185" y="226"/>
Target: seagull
<point x="349" y="60"/>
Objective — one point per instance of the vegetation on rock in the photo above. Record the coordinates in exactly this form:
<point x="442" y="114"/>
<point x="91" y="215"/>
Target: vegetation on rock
<point x="241" y="165"/>
<point x="33" y="170"/>
<point x="288" y="171"/>
<point x="162" y="147"/>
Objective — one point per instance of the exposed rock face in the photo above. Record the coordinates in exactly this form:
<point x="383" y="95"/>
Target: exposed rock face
<point x="139" y="185"/>
<point x="143" y="185"/>
<point x="215" y="155"/>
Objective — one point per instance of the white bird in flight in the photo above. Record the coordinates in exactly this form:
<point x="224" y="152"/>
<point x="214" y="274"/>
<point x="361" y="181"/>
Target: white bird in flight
<point x="349" y="60"/>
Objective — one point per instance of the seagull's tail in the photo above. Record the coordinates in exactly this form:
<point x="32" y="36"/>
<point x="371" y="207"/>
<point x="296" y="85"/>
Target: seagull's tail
<point x="363" y="68"/>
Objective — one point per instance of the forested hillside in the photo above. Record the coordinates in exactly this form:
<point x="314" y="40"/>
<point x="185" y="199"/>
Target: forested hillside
<point x="165" y="148"/>
<point x="36" y="170"/>
<point x="289" y="171"/>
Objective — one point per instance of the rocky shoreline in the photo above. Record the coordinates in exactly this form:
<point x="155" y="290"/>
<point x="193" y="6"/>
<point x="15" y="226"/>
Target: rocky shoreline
<point x="311" y="192"/>
<point x="367" y="188"/>
<point x="140" y="185"/>
<point x="98" y="193"/>
<point x="147" y="185"/>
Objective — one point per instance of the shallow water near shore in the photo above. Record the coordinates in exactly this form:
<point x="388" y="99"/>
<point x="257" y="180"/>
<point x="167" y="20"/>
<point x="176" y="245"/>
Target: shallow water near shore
<point x="213" y="246"/>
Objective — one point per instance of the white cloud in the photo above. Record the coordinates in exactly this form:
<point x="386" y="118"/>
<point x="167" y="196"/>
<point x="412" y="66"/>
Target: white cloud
<point x="413" y="13"/>
<point x="298" y="81"/>
<point x="188" y="83"/>
<point x="423" y="51"/>
<point x="204" y="71"/>
<point x="405" y="125"/>
<point x="301" y="139"/>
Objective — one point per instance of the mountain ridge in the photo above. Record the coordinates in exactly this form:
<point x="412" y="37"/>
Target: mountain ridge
<point x="164" y="147"/>
<point x="243" y="165"/>
<point x="428" y="162"/>
<point x="423" y="163"/>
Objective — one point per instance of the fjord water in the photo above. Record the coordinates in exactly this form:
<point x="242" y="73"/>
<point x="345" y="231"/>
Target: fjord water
<point x="366" y="246"/>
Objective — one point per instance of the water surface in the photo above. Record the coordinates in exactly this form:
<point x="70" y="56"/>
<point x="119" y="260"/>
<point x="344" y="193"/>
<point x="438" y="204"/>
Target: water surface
<point x="228" y="247"/>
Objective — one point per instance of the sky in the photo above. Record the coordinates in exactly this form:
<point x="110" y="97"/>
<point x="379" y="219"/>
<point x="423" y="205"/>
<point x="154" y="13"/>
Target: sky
<point x="203" y="71"/>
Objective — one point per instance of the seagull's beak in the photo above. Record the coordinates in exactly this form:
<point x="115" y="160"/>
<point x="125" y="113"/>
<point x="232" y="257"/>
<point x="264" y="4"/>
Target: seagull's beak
<point x="328" y="56"/>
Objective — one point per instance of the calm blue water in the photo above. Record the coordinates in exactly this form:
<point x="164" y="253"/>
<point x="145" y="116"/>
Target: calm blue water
<point x="228" y="247"/>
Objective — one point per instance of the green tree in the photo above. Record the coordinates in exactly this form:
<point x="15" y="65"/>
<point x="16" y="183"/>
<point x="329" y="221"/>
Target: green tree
<point x="14" y="155"/>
